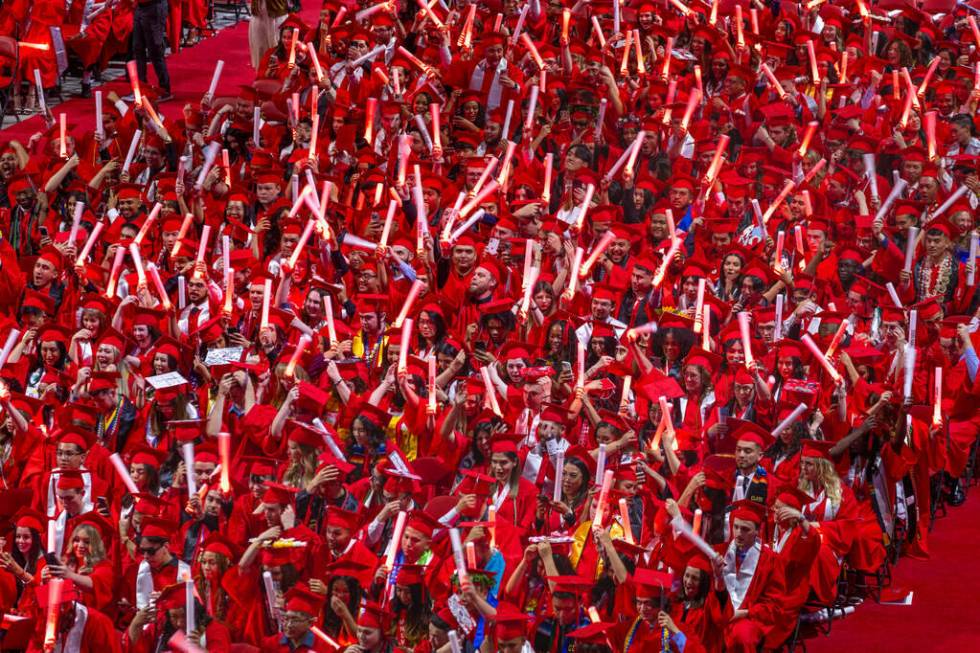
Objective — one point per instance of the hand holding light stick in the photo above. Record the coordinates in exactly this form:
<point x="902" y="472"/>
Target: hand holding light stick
<point x="396" y="539"/>
<point x="569" y="293"/>
<point x="607" y="238"/>
<point x="624" y="516"/>
<point x="123" y="472"/>
<point x="55" y="589"/>
<point x="607" y="482"/>
<point x="789" y="420"/>
<point x="821" y="358"/>
<point x="406" y="344"/>
<point x="559" y="476"/>
<point x="131" y="152"/>
<point x="413" y="294"/>
<point x="490" y="392"/>
<point x="298" y="351"/>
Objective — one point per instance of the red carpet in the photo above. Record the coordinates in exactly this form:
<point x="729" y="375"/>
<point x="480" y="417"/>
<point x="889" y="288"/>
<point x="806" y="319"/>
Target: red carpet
<point x="943" y="614"/>
<point x="190" y="73"/>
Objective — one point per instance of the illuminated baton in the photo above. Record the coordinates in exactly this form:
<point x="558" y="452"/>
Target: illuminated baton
<point x="607" y="482"/>
<point x="132" y="151"/>
<point x="406" y="343"/>
<point x="110" y="290"/>
<point x="395" y="543"/>
<point x="120" y="467"/>
<point x="491" y="394"/>
<point x="811" y="129"/>
<point x="134" y="252"/>
<point x="210" y="154"/>
<point x="55" y="588"/>
<point x="692" y="104"/>
<point x="699" y="307"/>
<point x="546" y="191"/>
<point x="413" y="294"/>
<point x="910" y="248"/>
<point x="559" y="475"/>
<point x="98" y="114"/>
<point x="624" y="515"/>
<point x="819" y="355"/>
<point x="303" y="239"/>
<point x="298" y="351"/>
<point x="134" y="81"/>
<point x="897" y="190"/>
<point x="187" y="449"/>
<point x="601" y="246"/>
<point x="266" y="299"/>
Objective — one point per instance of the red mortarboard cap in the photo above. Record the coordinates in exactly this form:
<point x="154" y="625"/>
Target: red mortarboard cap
<point x="300" y="598"/>
<point x="816" y="449"/>
<point x="749" y="511"/>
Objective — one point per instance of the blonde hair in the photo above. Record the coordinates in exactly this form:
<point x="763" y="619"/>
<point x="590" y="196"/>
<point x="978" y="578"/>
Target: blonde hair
<point x="828" y="480"/>
<point x="95" y="546"/>
<point x="298" y="474"/>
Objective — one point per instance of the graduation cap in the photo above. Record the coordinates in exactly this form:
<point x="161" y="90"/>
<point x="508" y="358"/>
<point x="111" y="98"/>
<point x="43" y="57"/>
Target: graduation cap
<point x="300" y="598"/>
<point x="816" y="449"/>
<point x="278" y="494"/>
<point x="155" y="526"/>
<point x="650" y="583"/>
<point x="749" y="510"/>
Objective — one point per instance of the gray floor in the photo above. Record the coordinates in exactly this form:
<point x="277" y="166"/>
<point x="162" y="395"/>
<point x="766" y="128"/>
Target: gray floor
<point x="71" y="84"/>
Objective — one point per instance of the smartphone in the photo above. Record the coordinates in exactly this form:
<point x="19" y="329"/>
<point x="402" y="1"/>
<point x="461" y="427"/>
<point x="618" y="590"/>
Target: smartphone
<point x="43" y="231"/>
<point x="566" y="367"/>
<point x="52" y="559"/>
<point x="480" y="345"/>
<point x="102" y="505"/>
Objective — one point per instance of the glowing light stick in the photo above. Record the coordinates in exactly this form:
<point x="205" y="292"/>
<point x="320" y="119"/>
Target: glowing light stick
<point x="897" y="190"/>
<point x="910" y="248"/>
<point x="134" y="252"/>
<point x="99" y="129"/>
<point x="432" y="384"/>
<point x="692" y="104"/>
<point x="929" y="123"/>
<point x="739" y="35"/>
<point x="266" y="299"/>
<point x="569" y="293"/>
<point x="787" y="189"/>
<point x="406" y="344"/>
<point x="624" y="515"/>
<point x="607" y="482"/>
<point x="210" y="154"/>
<point x="413" y="294"/>
<point x="811" y="129"/>
<point x="971" y="277"/>
<point x="937" y="407"/>
<point x="668" y="257"/>
<point x="546" y="191"/>
<point x="821" y="358"/>
<point x="597" y="30"/>
<point x="303" y="239"/>
<point x="110" y="290"/>
<point x="559" y="475"/>
<point x="699" y="307"/>
<point x="601" y="461"/>
<point x="778" y="332"/>
<point x="134" y="81"/>
<point x="601" y="246"/>
<point x="519" y="27"/>
<point x="316" y="61"/>
<point x="773" y="81"/>
<point x="213" y="86"/>
<point x="491" y="394"/>
<point x="131" y="152"/>
<point x="457" y="545"/>
<point x="668" y="49"/>
<point x="532" y="105"/>
<point x="472" y="220"/>
<point x="789" y="420"/>
<point x="55" y="589"/>
<point x="835" y="342"/>
<point x="120" y="467"/>
<point x="812" y="54"/>
<point x="488" y="189"/>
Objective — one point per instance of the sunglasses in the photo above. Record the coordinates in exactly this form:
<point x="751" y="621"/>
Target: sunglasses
<point x="149" y="551"/>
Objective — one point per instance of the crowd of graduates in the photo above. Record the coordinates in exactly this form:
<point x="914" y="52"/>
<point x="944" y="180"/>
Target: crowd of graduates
<point x="553" y="327"/>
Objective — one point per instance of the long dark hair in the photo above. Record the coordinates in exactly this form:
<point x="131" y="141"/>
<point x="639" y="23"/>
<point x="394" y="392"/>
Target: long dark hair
<point x="417" y="614"/>
<point x="331" y="620"/>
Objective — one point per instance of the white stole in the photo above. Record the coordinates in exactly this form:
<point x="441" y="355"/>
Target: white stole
<point x="738" y="578"/>
<point x="52" y="499"/>
<point x="73" y="640"/>
<point x="495" y="91"/>
<point x="144" y="581"/>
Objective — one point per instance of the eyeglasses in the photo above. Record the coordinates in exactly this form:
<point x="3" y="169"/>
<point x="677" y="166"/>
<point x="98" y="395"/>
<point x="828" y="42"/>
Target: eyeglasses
<point x="64" y="453"/>
<point x="148" y="551"/>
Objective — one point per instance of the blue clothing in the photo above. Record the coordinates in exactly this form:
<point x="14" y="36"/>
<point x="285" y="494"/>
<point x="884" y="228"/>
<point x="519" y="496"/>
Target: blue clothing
<point x="972" y="363"/>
